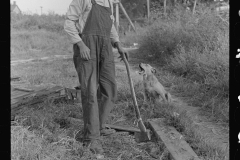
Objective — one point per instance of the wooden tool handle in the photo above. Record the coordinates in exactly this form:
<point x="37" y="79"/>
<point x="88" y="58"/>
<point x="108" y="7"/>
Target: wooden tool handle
<point x="132" y="88"/>
<point x="140" y="122"/>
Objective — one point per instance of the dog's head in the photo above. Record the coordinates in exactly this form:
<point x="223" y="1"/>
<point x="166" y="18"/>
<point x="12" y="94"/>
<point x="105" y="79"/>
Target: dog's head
<point x="146" y="69"/>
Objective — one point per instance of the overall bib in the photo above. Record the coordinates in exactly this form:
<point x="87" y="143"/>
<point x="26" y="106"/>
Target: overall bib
<point x="97" y="75"/>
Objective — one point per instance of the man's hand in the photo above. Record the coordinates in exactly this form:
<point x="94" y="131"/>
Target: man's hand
<point x="84" y="51"/>
<point x="121" y="51"/>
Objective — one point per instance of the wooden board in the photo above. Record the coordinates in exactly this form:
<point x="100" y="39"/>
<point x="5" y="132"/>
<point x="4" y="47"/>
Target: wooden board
<point x="173" y="140"/>
<point x="15" y="93"/>
<point x="123" y="128"/>
<point x="119" y="128"/>
<point x="15" y="78"/>
<point x="21" y="98"/>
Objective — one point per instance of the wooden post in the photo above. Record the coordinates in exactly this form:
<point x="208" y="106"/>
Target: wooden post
<point x="174" y="2"/>
<point x="194" y="6"/>
<point x="165" y="5"/>
<point x="148" y="9"/>
<point x="121" y="6"/>
<point x="117" y="17"/>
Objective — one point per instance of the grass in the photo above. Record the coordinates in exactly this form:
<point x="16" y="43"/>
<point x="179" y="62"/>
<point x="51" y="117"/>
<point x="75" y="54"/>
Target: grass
<point x="191" y="52"/>
<point x="34" y="36"/>
<point x="47" y="125"/>
<point x="44" y="132"/>
<point x="61" y="73"/>
<point x="192" y="63"/>
<point x="196" y="48"/>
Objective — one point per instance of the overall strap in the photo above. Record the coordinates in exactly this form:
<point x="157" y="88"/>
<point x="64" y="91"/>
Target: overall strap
<point x="109" y="5"/>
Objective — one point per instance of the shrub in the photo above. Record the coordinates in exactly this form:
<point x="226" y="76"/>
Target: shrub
<point x="53" y="23"/>
<point x="193" y="46"/>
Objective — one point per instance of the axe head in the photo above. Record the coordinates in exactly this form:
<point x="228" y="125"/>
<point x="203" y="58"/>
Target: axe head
<point x="142" y="136"/>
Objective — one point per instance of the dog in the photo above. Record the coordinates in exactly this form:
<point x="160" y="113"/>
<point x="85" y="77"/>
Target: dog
<point x="152" y="87"/>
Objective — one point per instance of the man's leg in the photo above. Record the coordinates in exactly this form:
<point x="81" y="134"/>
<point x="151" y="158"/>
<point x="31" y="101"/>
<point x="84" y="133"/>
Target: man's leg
<point x="107" y="83"/>
<point x="87" y="74"/>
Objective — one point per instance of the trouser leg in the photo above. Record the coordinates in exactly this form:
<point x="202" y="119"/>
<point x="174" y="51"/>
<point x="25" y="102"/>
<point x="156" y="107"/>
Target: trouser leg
<point x="87" y="74"/>
<point x="107" y="82"/>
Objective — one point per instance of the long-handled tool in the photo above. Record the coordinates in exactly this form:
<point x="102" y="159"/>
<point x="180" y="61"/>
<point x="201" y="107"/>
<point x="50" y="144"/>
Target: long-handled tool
<point x="144" y="135"/>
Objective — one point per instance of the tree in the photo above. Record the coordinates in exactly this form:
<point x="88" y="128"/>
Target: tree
<point x="135" y="8"/>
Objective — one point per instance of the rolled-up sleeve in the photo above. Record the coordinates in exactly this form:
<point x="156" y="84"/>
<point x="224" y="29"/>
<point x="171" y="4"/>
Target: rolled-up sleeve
<point x="72" y="17"/>
<point x="114" y="35"/>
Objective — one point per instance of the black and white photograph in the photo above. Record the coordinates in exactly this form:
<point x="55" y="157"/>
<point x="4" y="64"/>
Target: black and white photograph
<point x="122" y="80"/>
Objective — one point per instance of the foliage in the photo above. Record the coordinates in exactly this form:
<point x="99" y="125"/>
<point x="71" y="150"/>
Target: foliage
<point x="34" y="34"/>
<point x="195" y="47"/>
<point x="53" y="23"/>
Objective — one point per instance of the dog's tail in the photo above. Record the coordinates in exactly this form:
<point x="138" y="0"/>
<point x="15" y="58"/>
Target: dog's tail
<point x="168" y="97"/>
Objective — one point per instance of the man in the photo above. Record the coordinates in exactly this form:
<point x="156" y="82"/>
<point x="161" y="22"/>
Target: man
<point x="89" y="24"/>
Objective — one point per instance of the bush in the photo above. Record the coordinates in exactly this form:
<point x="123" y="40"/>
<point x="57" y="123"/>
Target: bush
<point x="53" y="23"/>
<point x="193" y="46"/>
<point x="36" y="36"/>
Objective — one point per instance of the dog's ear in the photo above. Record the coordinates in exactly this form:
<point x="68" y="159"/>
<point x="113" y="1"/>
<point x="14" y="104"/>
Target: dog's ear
<point x="154" y="70"/>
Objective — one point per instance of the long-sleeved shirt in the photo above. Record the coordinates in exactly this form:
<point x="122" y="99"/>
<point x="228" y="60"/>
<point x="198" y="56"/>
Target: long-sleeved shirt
<point x="77" y="15"/>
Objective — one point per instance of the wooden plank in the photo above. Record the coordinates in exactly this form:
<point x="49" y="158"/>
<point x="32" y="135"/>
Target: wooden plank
<point x="194" y="6"/>
<point x="15" y="93"/>
<point x="123" y="128"/>
<point x="20" y="95"/>
<point x="13" y="101"/>
<point x="15" y="78"/>
<point x="120" y="128"/>
<point x="148" y="9"/>
<point x="165" y="7"/>
<point x="71" y="93"/>
<point x="37" y="97"/>
<point x="24" y="89"/>
<point x="23" y="99"/>
<point x="21" y="104"/>
<point x="173" y="140"/>
<point x="49" y="91"/>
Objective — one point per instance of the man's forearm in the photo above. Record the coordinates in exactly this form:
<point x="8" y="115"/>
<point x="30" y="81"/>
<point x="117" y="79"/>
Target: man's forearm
<point x="80" y="43"/>
<point x="114" y="36"/>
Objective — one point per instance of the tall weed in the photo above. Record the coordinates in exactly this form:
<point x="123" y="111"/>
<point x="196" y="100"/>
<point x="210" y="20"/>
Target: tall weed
<point x="195" y="47"/>
<point x="53" y="23"/>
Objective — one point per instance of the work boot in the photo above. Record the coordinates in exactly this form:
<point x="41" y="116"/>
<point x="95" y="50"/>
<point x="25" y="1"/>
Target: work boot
<point x="107" y="131"/>
<point x="95" y="146"/>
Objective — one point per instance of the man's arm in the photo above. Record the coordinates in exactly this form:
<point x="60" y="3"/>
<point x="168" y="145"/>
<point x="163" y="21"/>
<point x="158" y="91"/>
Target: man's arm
<point x="72" y="17"/>
<point x="116" y="43"/>
<point x="114" y="36"/>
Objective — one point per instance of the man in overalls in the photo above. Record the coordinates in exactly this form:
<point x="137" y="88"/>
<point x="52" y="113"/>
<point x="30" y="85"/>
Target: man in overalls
<point x="89" y="24"/>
